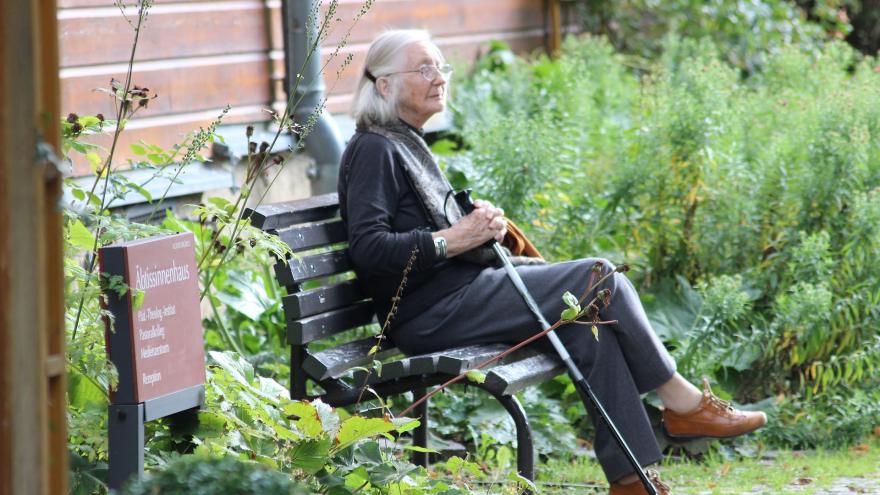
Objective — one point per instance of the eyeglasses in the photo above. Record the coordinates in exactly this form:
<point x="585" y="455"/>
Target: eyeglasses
<point x="429" y="72"/>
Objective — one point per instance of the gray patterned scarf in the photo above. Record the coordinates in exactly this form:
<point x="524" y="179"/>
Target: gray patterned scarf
<point x="433" y="189"/>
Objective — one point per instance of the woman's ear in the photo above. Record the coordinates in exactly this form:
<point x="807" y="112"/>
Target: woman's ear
<point x="383" y="85"/>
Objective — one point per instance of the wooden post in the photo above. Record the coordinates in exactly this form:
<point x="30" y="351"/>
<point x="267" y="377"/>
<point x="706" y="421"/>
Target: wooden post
<point x="33" y="435"/>
<point x="555" y="37"/>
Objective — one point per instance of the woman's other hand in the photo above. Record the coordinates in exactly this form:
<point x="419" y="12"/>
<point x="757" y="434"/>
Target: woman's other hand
<point x="498" y="224"/>
<point x="486" y="222"/>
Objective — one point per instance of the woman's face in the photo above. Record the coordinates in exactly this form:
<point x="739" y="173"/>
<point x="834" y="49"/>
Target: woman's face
<point x="417" y="98"/>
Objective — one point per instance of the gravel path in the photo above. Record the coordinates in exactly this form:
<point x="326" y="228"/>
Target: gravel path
<point x="807" y="486"/>
<point x="840" y="486"/>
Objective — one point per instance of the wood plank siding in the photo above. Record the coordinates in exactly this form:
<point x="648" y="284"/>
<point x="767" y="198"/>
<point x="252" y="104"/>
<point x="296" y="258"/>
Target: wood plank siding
<point x="199" y="55"/>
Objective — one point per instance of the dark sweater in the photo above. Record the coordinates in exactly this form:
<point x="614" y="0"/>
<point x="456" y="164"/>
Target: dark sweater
<point x="385" y="221"/>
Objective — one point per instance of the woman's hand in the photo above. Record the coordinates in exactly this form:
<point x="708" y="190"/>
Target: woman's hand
<point x="484" y="223"/>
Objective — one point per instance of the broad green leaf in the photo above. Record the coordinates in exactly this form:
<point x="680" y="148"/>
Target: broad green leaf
<point x="329" y="418"/>
<point x="252" y="299"/>
<point x="357" y="478"/>
<point x="138" y="150"/>
<point x="357" y="428"/>
<point x="94" y="200"/>
<point x="88" y="120"/>
<point x="456" y="464"/>
<point x="444" y="147"/>
<point x="385" y="473"/>
<point x="522" y="481"/>
<point x="81" y="391"/>
<point x="403" y="424"/>
<point x="211" y="425"/>
<point x="308" y="421"/>
<point x="80" y="236"/>
<point x="272" y="388"/>
<point x="221" y="203"/>
<point x="367" y="454"/>
<point x="143" y="192"/>
<point x="79" y="146"/>
<point x="94" y="159"/>
<point x="171" y="222"/>
<point x="503" y="456"/>
<point x="266" y="460"/>
<point x="235" y="365"/>
<point x="416" y="448"/>
<point x="312" y="455"/>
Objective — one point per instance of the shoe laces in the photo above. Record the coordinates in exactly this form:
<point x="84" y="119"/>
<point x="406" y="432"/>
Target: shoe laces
<point x="718" y="404"/>
<point x="661" y="487"/>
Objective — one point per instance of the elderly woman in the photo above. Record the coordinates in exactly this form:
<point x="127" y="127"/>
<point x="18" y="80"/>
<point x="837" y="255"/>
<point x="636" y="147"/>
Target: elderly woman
<point x="394" y="198"/>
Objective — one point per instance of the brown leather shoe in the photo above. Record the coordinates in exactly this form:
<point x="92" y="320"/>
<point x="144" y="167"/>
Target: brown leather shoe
<point x="712" y="418"/>
<point x="638" y="488"/>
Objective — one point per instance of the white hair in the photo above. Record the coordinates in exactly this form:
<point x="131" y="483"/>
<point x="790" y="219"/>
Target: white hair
<point x="383" y="58"/>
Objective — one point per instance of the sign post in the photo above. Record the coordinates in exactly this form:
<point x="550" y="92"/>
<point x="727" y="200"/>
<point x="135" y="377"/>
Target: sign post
<point x="155" y="342"/>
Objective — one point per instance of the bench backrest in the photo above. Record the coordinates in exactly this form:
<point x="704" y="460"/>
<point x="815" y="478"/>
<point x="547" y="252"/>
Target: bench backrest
<point x="321" y="303"/>
<point x="323" y="298"/>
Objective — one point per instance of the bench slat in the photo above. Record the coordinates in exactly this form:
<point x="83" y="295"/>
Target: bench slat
<point x="315" y="235"/>
<point x="324" y="325"/>
<point x="450" y="361"/>
<point x="425" y="364"/>
<point x="454" y="361"/>
<point x="322" y="299"/>
<point x="280" y="215"/>
<point x="510" y="378"/>
<point x="301" y="269"/>
<point x="390" y="371"/>
<point x="331" y="363"/>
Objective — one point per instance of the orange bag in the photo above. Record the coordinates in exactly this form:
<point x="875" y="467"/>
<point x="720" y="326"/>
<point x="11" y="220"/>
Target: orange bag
<point x="517" y="242"/>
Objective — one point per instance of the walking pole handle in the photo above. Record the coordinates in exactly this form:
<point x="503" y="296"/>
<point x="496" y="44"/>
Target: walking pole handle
<point x="464" y="201"/>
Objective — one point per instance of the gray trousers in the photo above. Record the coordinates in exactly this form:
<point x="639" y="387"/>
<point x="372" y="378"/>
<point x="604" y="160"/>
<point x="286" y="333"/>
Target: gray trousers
<point x="627" y="360"/>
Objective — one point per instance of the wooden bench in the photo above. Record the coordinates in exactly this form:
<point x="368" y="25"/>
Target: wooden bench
<point x="324" y="300"/>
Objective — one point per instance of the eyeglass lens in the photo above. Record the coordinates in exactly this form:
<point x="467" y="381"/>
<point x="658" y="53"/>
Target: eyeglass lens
<point x="431" y="72"/>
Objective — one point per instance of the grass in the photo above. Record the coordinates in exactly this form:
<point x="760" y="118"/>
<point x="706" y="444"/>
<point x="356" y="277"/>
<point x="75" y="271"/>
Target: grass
<point x="803" y="472"/>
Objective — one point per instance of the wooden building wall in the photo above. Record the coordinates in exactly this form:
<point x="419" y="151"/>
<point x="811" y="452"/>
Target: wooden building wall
<point x="199" y="55"/>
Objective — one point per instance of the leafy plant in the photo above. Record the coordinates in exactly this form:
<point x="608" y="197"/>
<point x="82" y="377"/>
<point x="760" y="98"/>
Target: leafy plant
<point x="209" y="476"/>
<point x="746" y="32"/>
<point x="748" y="205"/>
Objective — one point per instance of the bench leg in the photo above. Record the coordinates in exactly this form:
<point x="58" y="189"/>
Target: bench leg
<point x="420" y="434"/>
<point x="297" y="375"/>
<point x="525" y="447"/>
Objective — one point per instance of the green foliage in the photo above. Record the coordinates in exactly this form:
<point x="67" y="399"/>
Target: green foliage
<point x="749" y="207"/>
<point x="469" y="414"/>
<point x="198" y="475"/>
<point x="831" y="420"/>
<point x="747" y="33"/>
<point x="249" y="415"/>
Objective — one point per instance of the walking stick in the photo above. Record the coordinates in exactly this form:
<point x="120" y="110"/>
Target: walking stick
<point x="463" y="199"/>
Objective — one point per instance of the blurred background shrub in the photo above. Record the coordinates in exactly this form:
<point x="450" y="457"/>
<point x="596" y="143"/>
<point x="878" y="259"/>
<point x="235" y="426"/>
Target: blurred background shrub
<point x="748" y="201"/>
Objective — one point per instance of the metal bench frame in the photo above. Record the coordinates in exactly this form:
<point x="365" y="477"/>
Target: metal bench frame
<point x="317" y="313"/>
